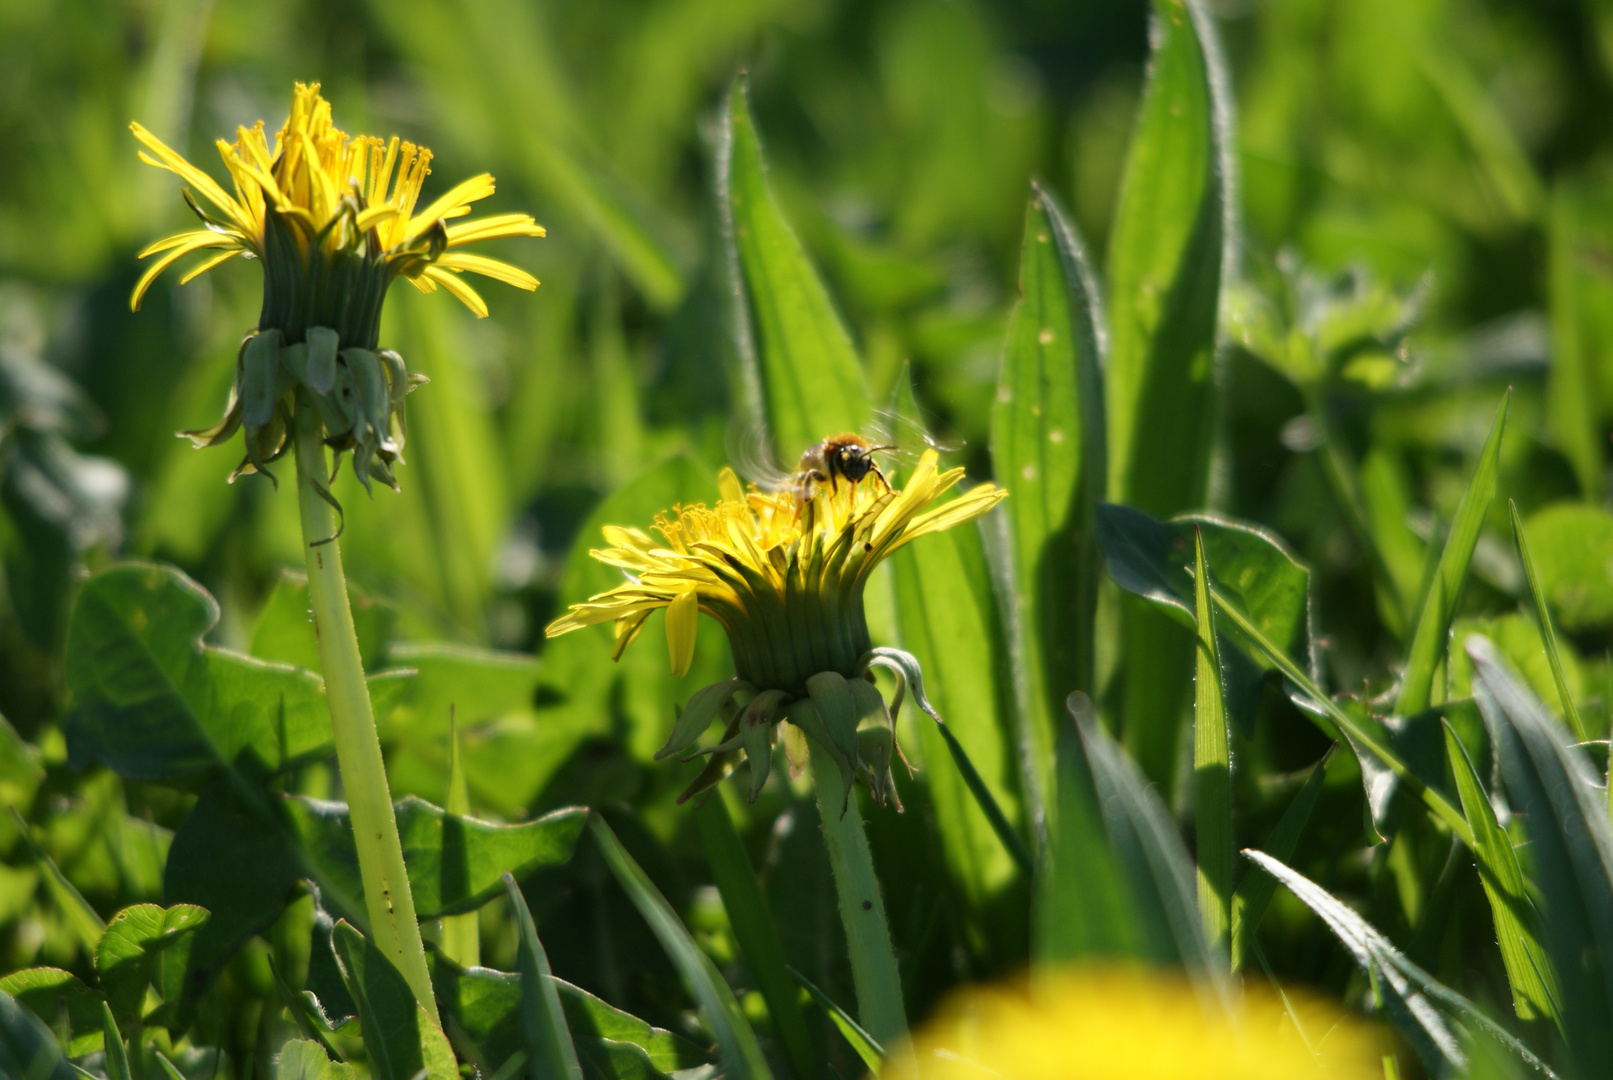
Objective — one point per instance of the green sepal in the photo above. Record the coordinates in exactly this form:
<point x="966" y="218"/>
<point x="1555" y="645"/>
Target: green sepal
<point x="698" y="714"/>
<point x="876" y="741"/>
<point x="756" y="729"/>
<point x="321" y="370"/>
<point x="260" y="379"/>
<point x="804" y="714"/>
<point x="832" y="695"/>
<point x="720" y="765"/>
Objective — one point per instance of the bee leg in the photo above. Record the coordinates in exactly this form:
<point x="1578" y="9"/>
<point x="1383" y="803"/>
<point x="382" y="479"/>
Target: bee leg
<point x="876" y="471"/>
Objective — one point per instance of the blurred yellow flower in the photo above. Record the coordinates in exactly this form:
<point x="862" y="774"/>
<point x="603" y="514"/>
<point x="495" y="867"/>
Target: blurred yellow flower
<point x="343" y="223"/>
<point x="1126" y="1024"/>
<point x="784" y="576"/>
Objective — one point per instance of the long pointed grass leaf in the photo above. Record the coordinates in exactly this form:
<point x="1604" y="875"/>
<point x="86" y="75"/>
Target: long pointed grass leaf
<point x="741" y="1054"/>
<point x="867" y="1047"/>
<point x="1554" y="789"/>
<point x="1410" y="993"/>
<point x="1254" y="891"/>
<point x="1212" y="767"/>
<point x="1528" y="969"/>
<point x="799" y="361"/>
<point x="1049" y="448"/>
<point x="548" y="1040"/>
<point x="1548" y="633"/>
<point x="752" y="920"/>
<point x="1428" y="642"/>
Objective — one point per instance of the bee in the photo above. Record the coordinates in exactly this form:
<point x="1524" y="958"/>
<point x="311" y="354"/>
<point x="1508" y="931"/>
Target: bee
<point x="846" y="455"/>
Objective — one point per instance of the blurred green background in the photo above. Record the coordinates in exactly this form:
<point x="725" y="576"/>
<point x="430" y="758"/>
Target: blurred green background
<point x="1455" y="150"/>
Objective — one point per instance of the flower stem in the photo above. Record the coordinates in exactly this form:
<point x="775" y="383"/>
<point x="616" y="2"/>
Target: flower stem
<point x="862" y="909"/>
<point x="393" y="926"/>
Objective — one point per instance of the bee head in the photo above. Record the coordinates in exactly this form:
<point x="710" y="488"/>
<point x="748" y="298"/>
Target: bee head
<point x="855" y="460"/>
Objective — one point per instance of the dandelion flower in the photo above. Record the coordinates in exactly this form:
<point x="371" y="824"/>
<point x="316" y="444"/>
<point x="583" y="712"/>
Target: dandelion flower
<point x="1104" y="1024"/>
<point x="784" y="577"/>
<point x="333" y="220"/>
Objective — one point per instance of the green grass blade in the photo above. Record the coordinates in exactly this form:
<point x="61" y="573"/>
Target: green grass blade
<point x="1170" y="242"/>
<point x="548" y="1040"/>
<point x="1428" y="643"/>
<point x="28" y="1049"/>
<point x="1528" y="969"/>
<point x="741" y="1055"/>
<point x="867" y="1048"/>
<point x="1554" y="790"/>
<point x="1360" y="738"/>
<point x="948" y="617"/>
<point x="1409" y="994"/>
<point x="80" y="916"/>
<point x="461" y="934"/>
<point x="801" y="367"/>
<point x="117" y="1058"/>
<point x="1573" y="395"/>
<point x="1548" y="633"/>
<point x="1254" y="891"/>
<point x="1212" y="767"/>
<point x="1049" y="446"/>
<point x="753" y="924"/>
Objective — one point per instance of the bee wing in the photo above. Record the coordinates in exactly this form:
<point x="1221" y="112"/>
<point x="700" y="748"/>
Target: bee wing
<point x="750" y="451"/>
<point x="906" y="439"/>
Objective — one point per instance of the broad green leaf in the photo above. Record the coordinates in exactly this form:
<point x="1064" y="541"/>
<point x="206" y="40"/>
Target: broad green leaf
<point x="56" y="996"/>
<point x="153" y="703"/>
<point x="1548" y="634"/>
<point x="456" y="864"/>
<point x="28" y="1050"/>
<point x="135" y="943"/>
<point x="1425" y="1011"/>
<point x="872" y="1054"/>
<point x="612" y="1044"/>
<point x="752" y="921"/>
<point x="948" y="619"/>
<point x="550" y="1053"/>
<point x="1150" y="559"/>
<point x="1433" y="622"/>
<point x="1254" y="891"/>
<point x="304" y="1059"/>
<point x="232" y="857"/>
<point x="1565" y="813"/>
<point x="1212" y="767"/>
<point x="1572" y="545"/>
<point x="800" y="363"/>
<point x="741" y="1055"/>
<point x="401" y="1039"/>
<point x="1167" y="251"/>
<point x="1048" y="450"/>
<point x="1516" y="921"/>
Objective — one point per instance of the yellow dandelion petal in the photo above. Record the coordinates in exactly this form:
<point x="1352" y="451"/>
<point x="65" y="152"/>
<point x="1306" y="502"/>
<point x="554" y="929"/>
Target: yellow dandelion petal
<point x="461" y="291"/>
<point x="207" y="264"/>
<point x="493" y="228"/>
<point x="466" y="191"/>
<point x="493" y="268"/>
<point x="174" y="163"/>
<point x="682" y="621"/>
<point x="197" y="242"/>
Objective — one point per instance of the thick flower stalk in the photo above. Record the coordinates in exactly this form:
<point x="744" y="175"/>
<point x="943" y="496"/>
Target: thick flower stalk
<point x="784" y="577"/>
<point x="333" y="221"/>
